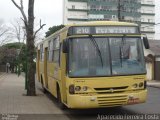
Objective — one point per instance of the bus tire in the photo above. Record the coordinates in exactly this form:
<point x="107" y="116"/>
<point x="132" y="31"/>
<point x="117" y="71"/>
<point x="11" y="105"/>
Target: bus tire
<point x="60" y="104"/>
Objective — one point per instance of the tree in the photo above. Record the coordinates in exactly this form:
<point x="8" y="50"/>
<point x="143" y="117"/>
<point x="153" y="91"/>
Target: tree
<point x="18" y="31"/>
<point x="53" y="29"/>
<point x="4" y="33"/>
<point x="2" y="54"/>
<point x="10" y="55"/>
<point x="30" y="36"/>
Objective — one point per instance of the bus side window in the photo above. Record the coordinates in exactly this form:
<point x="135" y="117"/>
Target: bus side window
<point x="56" y="48"/>
<point x="50" y="51"/>
<point x="41" y="53"/>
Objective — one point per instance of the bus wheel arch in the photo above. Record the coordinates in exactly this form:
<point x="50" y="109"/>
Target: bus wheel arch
<point x="59" y="98"/>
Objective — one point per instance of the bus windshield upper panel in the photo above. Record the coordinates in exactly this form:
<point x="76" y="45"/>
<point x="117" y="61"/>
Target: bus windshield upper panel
<point x="105" y="57"/>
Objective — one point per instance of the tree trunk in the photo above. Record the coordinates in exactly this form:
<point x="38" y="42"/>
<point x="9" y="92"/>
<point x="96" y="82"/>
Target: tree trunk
<point x="30" y="50"/>
<point x="29" y="27"/>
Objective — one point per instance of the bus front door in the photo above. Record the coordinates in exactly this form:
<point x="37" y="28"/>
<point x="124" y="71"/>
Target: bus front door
<point x="45" y="68"/>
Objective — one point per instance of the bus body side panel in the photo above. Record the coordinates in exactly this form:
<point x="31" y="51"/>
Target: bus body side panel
<point x="51" y="80"/>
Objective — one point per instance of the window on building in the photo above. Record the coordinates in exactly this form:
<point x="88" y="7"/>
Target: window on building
<point x="122" y="17"/>
<point x="114" y="16"/>
<point x="142" y="19"/>
<point x="150" y="20"/>
<point x="73" y="6"/>
<point x="150" y="29"/>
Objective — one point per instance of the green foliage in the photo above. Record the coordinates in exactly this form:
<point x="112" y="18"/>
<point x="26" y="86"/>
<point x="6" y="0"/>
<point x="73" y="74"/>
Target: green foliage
<point x="53" y="29"/>
<point x="9" y="53"/>
<point x="15" y="45"/>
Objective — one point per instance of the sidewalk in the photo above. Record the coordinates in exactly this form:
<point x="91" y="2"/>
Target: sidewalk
<point x="153" y="83"/>
<point x="13" y="100"/>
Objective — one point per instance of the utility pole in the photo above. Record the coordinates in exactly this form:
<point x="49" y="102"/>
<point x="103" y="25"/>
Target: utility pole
<point x="119" y="10"/>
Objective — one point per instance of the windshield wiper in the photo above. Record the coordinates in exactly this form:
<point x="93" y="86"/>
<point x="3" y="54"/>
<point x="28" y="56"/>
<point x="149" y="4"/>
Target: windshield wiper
<point x="120" y="54"/>
<point x="121" y="48"/>
<point x="97" y="48"/>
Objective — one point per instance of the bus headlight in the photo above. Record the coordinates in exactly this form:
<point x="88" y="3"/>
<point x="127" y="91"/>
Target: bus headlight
<point x="71" y="89"/>
<point x="141" y="84"/>
<point x="85" y="88"/>
<point x="135" y="85"/>
<point x="77" y="88"/>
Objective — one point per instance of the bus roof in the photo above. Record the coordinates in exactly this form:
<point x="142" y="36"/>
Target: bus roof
<point x="111" y="23"/>
<point x="91" y="23"/>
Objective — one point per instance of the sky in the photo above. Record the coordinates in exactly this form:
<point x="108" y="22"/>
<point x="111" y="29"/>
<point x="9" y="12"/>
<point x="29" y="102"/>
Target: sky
<point x="50" y="12"/>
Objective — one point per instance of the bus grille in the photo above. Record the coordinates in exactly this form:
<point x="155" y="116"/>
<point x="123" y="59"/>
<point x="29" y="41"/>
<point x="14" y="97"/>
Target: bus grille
<point x="110" y="101"/>
<point x="111" y="90"/>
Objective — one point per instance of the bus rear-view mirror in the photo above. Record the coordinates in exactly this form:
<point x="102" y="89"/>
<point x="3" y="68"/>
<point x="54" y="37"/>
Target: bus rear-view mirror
<point x="146" y="43"/>
<point x="65" y="46"/>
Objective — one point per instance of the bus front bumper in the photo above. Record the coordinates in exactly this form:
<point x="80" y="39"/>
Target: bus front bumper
<point x="110" y="100"/>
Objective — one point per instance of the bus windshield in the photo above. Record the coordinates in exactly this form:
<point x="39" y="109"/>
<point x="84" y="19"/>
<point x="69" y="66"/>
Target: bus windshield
<point x="119" y="56"/>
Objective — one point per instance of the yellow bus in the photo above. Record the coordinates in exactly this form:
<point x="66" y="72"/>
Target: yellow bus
<point x="94" y="65"/>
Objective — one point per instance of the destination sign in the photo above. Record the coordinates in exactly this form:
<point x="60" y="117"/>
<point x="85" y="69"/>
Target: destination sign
<point x="123" y="30"/>
<point x="103" y="30"/>
<point x="82" y="30"/>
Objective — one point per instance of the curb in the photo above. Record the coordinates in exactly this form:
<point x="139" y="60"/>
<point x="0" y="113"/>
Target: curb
<point x="154" y="86"/>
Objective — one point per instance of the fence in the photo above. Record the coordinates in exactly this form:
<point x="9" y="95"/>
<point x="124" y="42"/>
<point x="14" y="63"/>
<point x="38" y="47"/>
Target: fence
<point x="2" y="68"/>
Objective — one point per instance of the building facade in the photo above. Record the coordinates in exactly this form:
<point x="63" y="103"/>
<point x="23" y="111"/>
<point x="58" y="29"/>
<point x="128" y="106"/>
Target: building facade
<point x="138" y="11"/>
<point x="148" y="18"/>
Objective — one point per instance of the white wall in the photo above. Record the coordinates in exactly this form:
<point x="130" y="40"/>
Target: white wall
<point x="74" y="14"/>
<point x="77" y="14"/>
<point x="157" y="58"/>
<point x="78" y="5"/>
<point x="148" y="2"/>
<point x="147" y="27"/>
<point x="65" y="11"/>
<point x="147" y="18"/>
<point x="93" y="16"/>
<point x="147" y="9"/>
